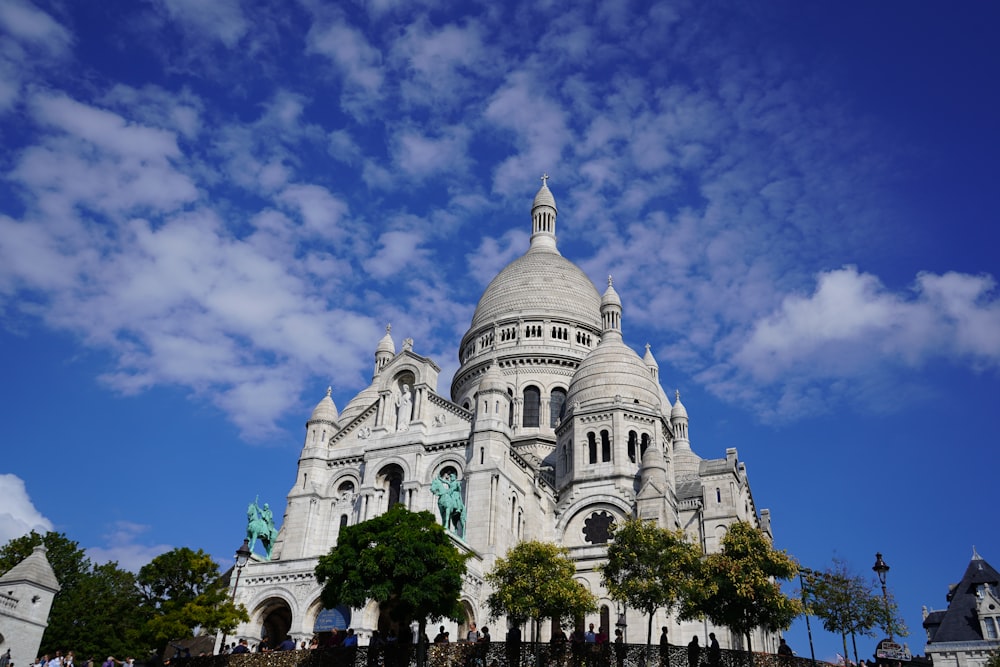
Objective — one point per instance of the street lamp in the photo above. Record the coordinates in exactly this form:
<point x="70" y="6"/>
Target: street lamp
<point x="621" y="623"/>
<point x="881" y="569"/>
<point x="242" y="558"/>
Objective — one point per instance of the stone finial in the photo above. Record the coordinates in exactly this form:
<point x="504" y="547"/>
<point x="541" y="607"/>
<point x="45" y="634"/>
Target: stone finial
<point x="545" y="179"/>
<point x="329" y="390"/>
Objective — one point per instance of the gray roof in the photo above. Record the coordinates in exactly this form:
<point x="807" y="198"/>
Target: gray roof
<point x="960" y="621"/>
<point x="34" y="569"/>
<point x="542" y="284"/>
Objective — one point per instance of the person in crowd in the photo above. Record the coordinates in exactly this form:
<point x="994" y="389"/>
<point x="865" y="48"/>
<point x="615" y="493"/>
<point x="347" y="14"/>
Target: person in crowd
<point x="620" y="649"/>
<point x="694" y="652"/>
<point x="664" y="648"/>
<point x="441" y="637"/>
<point x="241" y="647"/>
<point x="784" y="651"/>
<point x="714" y="652"/>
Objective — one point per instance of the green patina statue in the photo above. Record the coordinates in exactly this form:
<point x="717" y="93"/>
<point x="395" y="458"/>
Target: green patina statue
<point x="448" y="489"/>
<point x="260" y="524"/>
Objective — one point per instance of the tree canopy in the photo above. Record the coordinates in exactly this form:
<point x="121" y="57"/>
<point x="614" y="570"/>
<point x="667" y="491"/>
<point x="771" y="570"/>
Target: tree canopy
<point x="95" y="611"/>
<point x="183" y="590"/>
<point x="650" y="567"/>
<point x="848" y="603"/>
<point x="403" y="560"/>
<point x="535" y="580"/>
<point x="739" y="585"/>
<point x="103" y="610"/>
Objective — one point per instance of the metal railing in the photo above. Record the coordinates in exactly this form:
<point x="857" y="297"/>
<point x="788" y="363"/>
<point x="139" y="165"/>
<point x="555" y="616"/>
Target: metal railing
<point x="494" y="654"/>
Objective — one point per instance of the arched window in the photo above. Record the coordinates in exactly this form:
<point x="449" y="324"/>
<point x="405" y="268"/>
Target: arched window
<point x="532" y="402"/>
<point x="343" y="522"/>
<point x="633" y="440"/>
<point x="592" y="447"/>
<point x="557" y="402"/>
<point x="392" y="478"/>
<point x="510" y="408"/>
<point x="644" y="445"/>
<point x="605" y="446"/>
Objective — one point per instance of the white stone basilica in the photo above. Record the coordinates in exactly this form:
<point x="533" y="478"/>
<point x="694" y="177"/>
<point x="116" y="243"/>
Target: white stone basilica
<point x="554" y="429"/>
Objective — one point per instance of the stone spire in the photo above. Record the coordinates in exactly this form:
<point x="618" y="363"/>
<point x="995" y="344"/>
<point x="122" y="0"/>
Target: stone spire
<point x="543" y="219"/>
<point x="650" y="361"/>
<point x="385" y="351"/>
<point x="611" y="311"/>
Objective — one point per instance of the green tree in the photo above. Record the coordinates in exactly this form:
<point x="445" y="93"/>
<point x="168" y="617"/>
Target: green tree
<point x="535" y="580"/>
<point x="847" y="603"/>
<point x="403" y="560"/>
<point x="650" y="568"/>
<point x="93" y="613"/>
<point x="182" y="590"/>
<point x="739" y="588"/>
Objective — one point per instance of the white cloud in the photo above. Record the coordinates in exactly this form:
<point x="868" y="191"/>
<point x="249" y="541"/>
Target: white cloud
<point x="29" y="24"/>
<point x="219" y="19"/>
<point x="105" y="130"/>
<point x="321" y="211"/>
<point x="358" y="61"/>
<point x="538" y="124"/>
<point x="397" y="251"/>
<point x="423" y="157"/>
<point x="441" y="65"/>
<point x="98" y="159"/>
<point x="122" y="547"/>
<point x="19" y="516"/>
<point x="853" y="331"/>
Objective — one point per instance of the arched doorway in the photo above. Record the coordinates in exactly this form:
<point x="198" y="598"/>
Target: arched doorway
<point x="275" y="621"/>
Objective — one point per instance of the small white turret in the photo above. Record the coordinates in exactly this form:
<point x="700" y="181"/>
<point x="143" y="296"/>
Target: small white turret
<point x="385" y="351"/>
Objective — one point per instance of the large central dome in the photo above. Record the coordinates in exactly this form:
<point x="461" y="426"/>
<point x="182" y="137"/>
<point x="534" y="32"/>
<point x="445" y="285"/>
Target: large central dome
<point x="541" y="283"/>
<point x="538" y="318"/>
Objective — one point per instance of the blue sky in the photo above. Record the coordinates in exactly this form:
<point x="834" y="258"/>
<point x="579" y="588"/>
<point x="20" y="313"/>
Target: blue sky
<point x="210" y="211"/>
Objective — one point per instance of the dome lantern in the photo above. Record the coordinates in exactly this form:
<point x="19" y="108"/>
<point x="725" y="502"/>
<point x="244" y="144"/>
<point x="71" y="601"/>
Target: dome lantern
<point x="543" y="219"/>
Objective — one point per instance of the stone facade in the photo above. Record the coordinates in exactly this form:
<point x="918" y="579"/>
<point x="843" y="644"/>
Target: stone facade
<point x="26" y="594"/>
<point x="554" y="427"/>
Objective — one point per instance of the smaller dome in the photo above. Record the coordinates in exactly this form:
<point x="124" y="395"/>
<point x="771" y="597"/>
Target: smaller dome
<point x="325" y="410"/>
<point x="678" y="410"/>
<point x="613" y="369"/>
<point x="357" y="405"/>
<point x="544" y="196"/>
<point x="492" y="380"/>
<point x="611" y="297"/>
<point x="386" y="344"/>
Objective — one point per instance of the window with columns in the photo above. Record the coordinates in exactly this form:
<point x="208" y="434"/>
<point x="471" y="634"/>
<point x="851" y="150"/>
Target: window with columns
<point x="532" y="406"/>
